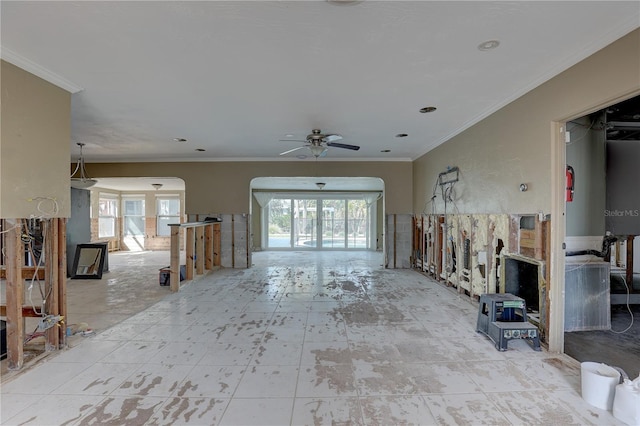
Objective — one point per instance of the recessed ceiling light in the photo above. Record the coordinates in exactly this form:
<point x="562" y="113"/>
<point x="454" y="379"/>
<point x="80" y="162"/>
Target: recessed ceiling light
<point x="288" y="135"/>
<point x="200" y="149"/>
<point x="179" y="139"/>
<point x="401" y="135"/>
<point x="488" y="45"/>
<point x="428" y="109"/>
<point x="385" y="150"/>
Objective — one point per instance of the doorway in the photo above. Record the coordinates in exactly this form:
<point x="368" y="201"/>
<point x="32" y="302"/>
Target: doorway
<point x="317" y="213"/>
<point x="602" y="283"/>
<point x="321" y="222"/>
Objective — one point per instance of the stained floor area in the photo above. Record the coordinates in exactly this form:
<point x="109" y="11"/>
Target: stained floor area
<point x="301" y="338"/>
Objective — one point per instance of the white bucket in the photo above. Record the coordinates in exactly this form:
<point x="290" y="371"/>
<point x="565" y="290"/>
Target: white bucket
<point x="599" y="383"/>
<point x="626" y="404"/>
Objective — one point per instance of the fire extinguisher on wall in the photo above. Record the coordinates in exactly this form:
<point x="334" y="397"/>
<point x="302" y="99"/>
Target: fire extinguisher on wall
<point x="571" y="178"/>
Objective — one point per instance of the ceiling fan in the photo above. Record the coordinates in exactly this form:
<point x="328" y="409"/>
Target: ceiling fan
<point x="317" y="143"/>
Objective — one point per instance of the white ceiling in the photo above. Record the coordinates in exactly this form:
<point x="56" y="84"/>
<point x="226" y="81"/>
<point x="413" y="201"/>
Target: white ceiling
<point x="235" y="77"/>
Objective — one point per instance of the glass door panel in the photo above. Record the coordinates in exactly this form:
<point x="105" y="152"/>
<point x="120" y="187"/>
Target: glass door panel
<point x="305" y="223"/>
<point x="357" y="224"/>
<point x="333" y="223"/>
<point x="279" y="223"/>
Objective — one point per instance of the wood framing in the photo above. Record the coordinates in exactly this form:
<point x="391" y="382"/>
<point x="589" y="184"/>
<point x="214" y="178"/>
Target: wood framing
<point x="53" y="267"/>
<point x="15" y="294"/>
<point x="202" y="250"/>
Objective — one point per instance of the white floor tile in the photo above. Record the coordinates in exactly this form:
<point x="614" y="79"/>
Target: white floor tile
<point x="154" y="380"/>
<point x="189" y="411"/>
<point x="327" y="411"/>
<point x="396" y="410"/>
<point x="210" y="381"/>
<point x="268" y="381"/>
<point x="258" y="411"/>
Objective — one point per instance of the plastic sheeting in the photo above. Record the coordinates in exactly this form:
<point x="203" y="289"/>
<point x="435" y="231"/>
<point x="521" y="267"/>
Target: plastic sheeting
<point x="587" y="298"/>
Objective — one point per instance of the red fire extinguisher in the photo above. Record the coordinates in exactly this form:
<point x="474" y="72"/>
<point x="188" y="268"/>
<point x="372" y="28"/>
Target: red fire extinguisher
<point x="571" y="177"/>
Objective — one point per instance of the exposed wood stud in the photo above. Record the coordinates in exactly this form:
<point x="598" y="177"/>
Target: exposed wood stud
<point x="51" y="306"/>
<point x="199" y="250"/>
<point x="14" y="294"/>
<point x="62" y="279"/>
<point x="175" y="259"/>
<point x="208" y="247"/>
<point x="190" y="253"/>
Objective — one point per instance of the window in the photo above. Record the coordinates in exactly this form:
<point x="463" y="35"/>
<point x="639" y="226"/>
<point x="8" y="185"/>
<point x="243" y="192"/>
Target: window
<point x="107" y="217"/>
<point x="168" y="211"/>
<point x="133" y="212"/>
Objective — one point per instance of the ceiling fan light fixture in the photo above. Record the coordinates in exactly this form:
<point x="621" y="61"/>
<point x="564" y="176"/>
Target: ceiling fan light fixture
<point x="317" y="150"/>
<point x="84" y="181"/>
<point x="320" y="185"/>
<point x="157" y="185"/>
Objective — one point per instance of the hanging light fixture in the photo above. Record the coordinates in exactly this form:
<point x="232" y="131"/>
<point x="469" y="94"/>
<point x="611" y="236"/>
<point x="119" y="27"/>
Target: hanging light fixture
<point x="157" y="185"/>
<point x="84" y="181"/>
<point x="317" y="150"/>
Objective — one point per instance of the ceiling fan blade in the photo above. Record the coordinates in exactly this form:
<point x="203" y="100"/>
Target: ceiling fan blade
<point x="332" y="138"/>
<point x="292" y="150"/>
<point x="343" y="145"/>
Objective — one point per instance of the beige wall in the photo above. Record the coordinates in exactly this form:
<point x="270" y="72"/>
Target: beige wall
<point x="514" y="145"/>
<point x="223" y="187"/>
<point x="34" y="145"/>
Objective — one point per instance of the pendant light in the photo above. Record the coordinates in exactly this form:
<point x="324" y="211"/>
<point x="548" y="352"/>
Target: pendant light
<point x="82" y="182"/>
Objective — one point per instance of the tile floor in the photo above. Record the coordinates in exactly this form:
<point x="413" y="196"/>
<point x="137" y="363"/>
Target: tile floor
<point x="335" y="339"/>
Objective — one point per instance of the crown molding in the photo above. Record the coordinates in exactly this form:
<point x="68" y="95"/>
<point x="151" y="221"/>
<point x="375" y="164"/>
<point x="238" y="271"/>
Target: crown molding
<point x="37" y="70"/>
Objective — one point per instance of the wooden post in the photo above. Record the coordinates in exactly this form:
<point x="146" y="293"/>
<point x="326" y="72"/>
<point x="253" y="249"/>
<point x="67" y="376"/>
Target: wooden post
<point x="190" y="242"/>
<point x="14" y="294"/>
<point x="200" y="250"/>
<point x="51" y="306"/>
<point x="208" y="247"/>
<point x="539" y="240"/>
<point x="62" y="279"/>
<point x="175" y="258"/>
<point x="216" y="244"/>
